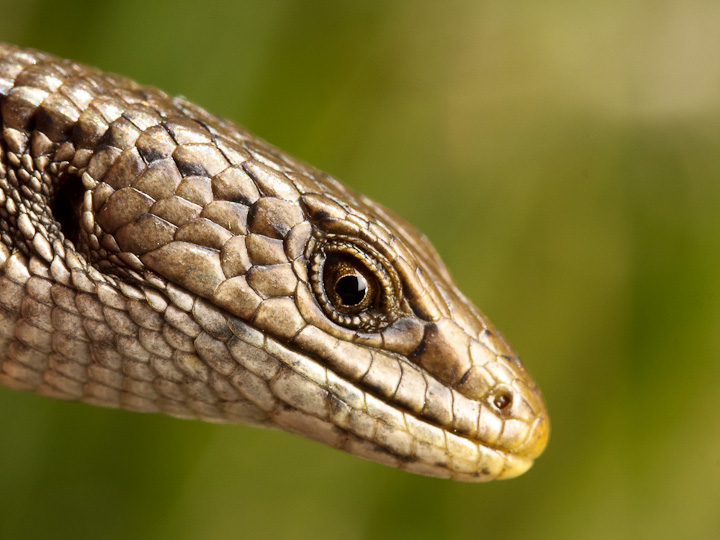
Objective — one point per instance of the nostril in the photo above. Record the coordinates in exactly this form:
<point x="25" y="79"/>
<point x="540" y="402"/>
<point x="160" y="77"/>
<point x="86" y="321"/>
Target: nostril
<point x="502" y="400"/>
<point x="66" y="207"/>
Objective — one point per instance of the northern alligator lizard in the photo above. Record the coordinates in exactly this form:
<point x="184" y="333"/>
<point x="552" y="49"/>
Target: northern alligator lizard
<point x="157" y="258"/>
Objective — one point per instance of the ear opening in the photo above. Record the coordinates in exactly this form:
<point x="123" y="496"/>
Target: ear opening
<point x="66" y="207"/>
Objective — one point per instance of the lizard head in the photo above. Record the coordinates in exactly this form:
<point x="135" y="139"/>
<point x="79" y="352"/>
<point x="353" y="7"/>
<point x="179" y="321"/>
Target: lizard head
<point x="211" y="275"/>
<point x="387" y="359"/>
<point x="369" y="346"/>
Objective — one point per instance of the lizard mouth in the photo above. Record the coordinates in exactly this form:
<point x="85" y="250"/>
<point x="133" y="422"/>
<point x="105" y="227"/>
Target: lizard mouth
<point x="319" y="403"/>
<point x="492" y="463"/>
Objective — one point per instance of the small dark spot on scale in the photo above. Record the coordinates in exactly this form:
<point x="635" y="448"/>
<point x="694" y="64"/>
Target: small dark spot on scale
<point x="419" y="349"/>
<point x="190" y="168"/>
<point x="321" y="215"/>
<point x="336" y="404"/>
<point x="44" y="120"/>
<point x="150" y="153"/>
<point x="464" y="378"/>
<point x="387" y="452"/>
<point x="373" y="388"/>
<point x="241" y="199"/>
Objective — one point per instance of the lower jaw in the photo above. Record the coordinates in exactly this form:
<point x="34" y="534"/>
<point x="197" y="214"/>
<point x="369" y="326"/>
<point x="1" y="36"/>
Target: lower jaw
<point x="508" y="466"/>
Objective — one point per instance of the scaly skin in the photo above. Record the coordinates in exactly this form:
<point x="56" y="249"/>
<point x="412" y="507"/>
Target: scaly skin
<point x="158" y="258"/>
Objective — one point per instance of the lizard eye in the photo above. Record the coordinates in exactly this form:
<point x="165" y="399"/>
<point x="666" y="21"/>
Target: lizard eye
<point x="353" y="286"/>
<point x="349" y="285"/>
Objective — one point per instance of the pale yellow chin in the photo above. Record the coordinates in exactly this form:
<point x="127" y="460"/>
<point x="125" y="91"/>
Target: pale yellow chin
<point x="518" y="461"/>
<point x="538" y="438"/>
<point x="495" y="463"/>
<point x="511" y="467"/>
<point x="515" y="466"/>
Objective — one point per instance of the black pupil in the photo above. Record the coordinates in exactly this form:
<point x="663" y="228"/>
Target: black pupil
<point x="351" y="289"/>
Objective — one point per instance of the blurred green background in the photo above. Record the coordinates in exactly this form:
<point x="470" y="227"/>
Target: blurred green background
<point x="564" y="157"/>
